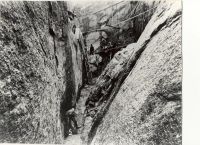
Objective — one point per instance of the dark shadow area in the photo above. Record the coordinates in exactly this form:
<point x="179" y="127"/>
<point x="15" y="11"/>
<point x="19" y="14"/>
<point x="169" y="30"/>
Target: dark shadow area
<point x="67" y="98"/>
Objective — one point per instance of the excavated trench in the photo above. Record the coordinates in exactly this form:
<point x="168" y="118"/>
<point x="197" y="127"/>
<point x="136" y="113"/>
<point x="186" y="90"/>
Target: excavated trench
<point x="96" y="98"/>
<point x="127" y="91"/>
<point x="104" y="93"/>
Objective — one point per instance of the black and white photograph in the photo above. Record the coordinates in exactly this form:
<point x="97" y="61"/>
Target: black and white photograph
<point x="91" y="72"/>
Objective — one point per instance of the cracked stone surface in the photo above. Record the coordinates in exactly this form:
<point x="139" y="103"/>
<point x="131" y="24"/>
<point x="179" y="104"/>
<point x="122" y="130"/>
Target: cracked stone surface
<point x="147" y="107"/>
<point x="36" y="70"/>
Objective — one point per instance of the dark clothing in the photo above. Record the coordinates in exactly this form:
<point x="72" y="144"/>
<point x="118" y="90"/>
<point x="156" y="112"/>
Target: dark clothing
<point x="73" y="124"/>
<point x="71" y="15"/>
<point x="71" y="119"/>
<point x="103" y="42"/>
<point x="91" y="50"/>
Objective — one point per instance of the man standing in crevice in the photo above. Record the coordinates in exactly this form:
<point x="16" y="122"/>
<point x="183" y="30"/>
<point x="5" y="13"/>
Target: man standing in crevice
<point x="91" y="49"/>
<point x="71" y="119"/>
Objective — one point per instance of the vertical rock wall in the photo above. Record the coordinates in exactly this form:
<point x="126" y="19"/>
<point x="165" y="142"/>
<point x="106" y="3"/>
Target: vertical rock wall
<point x="37" y="73"/>
<point x="146" y="108"/>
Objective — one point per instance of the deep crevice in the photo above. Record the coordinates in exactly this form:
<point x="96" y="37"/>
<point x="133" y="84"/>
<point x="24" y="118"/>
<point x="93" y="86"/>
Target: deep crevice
<point x="66" y="101"/>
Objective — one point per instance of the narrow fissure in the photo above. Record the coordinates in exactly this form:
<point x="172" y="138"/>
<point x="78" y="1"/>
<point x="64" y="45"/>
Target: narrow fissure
<point x="116" y="41"/>
<point x="92" y="73"/>
<point x="66" y="101"/>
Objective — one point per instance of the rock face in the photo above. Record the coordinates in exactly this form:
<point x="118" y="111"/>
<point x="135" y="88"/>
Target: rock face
<point x="40" y="71"/>
<point x="144" y="106"/>
<point x="105" y="90"/>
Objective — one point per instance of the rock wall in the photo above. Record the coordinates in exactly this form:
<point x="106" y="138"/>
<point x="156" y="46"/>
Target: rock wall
<point x="137" y="99"/>
<point x="38" y="71"/>
<point x="104" y="91"/>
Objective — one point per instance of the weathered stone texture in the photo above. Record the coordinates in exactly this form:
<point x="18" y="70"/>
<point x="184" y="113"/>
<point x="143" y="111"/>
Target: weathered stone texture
<point x="147" y="107"/>
<point x="36" y="71"/>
